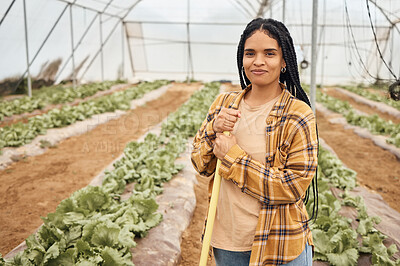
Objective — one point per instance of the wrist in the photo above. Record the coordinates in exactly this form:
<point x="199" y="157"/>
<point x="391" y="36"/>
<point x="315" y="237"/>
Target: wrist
<point x="213" y="126"/>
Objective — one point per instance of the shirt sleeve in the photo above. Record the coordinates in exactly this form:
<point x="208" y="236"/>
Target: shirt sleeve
<point x="291" y="174"/>
<point x="202" y="156"/>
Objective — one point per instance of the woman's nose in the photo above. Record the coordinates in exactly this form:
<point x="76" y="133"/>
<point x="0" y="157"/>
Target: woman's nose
<point x="258" y="60"/>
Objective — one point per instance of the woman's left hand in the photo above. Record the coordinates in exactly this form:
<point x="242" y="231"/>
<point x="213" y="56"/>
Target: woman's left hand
<point x="223" y="144"/>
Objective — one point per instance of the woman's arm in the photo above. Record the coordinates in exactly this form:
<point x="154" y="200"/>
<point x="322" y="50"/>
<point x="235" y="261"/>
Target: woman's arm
<point x="203" y="158"/>
<point x="291" y="174"/>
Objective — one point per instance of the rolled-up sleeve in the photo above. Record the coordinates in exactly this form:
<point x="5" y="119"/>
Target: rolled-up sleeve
<point x="202" y="156"/>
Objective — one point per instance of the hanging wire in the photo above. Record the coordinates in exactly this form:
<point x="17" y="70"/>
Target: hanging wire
<point x="349" y="27"/>
<point x="348" y="49"/>
<point x="376" y="42"/>
<point x="5" y="14"/>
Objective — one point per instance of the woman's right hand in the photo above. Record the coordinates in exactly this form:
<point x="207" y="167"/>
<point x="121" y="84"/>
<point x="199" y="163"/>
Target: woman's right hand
<point x="225" y="120"/>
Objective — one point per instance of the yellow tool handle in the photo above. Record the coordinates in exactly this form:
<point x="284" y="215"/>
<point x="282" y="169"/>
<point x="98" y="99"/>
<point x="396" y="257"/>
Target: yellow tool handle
<point x="211" y="215"/>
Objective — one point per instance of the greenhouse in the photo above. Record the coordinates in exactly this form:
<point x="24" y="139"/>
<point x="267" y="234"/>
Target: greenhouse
<point x="110" y="114"/>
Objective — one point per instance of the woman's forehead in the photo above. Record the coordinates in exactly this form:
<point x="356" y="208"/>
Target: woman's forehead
<point x="261" y="39"/>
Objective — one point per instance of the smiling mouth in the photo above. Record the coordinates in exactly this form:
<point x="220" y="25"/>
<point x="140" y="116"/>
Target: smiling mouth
<point x="258" y="71"/>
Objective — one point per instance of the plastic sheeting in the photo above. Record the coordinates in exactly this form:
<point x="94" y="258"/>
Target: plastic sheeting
<point x="177" y="39"/>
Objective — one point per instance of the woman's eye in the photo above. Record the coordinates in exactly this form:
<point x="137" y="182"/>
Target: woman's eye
<point x="270" y="54"/>
<point x="249" y="54"/>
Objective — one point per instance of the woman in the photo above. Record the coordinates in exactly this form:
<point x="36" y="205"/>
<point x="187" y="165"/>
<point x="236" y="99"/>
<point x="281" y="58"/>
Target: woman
<point x="269" y="159"/>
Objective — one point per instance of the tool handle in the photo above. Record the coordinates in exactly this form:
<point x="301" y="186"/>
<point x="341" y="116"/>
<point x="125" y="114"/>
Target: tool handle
<point x="211" y="214"/>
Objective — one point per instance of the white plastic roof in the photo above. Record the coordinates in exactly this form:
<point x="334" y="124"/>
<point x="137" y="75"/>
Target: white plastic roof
<point x="174" y="39"/>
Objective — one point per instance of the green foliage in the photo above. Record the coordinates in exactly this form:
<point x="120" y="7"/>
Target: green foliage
<point x="89" y="228"/>
<point x="53" y="95"/>
<point x="93" y="226"/>
<point x="334" y="239"/>
<point x="373" y="123"/>
<point x="19" y="134"/>
<point x="373" y="96"/>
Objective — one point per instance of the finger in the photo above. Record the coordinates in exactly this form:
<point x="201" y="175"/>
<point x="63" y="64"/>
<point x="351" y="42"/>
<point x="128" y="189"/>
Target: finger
<point x="231" y="118"/>
<point x="229" y="123"/>
<point x="234" y="112"/>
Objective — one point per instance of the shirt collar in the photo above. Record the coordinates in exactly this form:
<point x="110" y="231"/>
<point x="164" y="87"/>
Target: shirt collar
<point x="279" y="106"/>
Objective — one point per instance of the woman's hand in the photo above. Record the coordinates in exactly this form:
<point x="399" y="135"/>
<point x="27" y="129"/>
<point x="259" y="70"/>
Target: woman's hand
<point x="223" y="144"/>
<point x="225" y="120"/>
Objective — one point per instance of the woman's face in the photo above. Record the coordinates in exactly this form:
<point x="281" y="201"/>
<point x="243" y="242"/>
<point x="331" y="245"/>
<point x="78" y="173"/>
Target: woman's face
<point x="262" y="59"/>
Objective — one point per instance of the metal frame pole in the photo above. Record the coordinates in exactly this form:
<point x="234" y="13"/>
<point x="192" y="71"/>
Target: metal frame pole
<point x="189" y="62"/>
<point x="314" y="54"/>
<point x="72" y="47"/>
<point x="129" y="50"/>
<point x="283" y="11"/>
<point x="323" y="46"/>
<point x="101" y="48"/>
<point x="270" y="9"/>
<point x="122" y="50"/>
<point x="27" y="52"/>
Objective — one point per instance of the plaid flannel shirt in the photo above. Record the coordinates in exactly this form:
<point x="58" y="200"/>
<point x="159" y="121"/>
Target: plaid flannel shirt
<point x="280" y="185"/>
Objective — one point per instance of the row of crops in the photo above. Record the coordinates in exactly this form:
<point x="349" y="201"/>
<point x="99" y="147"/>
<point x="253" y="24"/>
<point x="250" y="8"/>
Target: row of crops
<point x="373" y="96"/>
<point x="334" y="238"/>
<point x="22" y="133"/>
<point x="94" y="226"/>
<point x="51" y="95"/>
<point x="375" y="124"/>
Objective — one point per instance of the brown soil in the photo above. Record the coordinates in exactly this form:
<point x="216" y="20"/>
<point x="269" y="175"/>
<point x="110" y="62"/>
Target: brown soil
<point x="191" y="239"/>
<point x="377" y="169"/>
<point x="10" y="120"/>
<point x="34" y="186"/>
<point x="362" y="107"/>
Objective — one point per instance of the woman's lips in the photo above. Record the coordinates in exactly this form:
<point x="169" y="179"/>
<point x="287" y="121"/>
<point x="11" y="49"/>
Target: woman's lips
<point x="258" y="71"/>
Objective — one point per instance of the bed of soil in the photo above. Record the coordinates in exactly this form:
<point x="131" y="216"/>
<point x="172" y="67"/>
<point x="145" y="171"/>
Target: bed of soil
<point x="34" y="186"/>
<point x="361" y="107"/>
<point x="23" y="118"/>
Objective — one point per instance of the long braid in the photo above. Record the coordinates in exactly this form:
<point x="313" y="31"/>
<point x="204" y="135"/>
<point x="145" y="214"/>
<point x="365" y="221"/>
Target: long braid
<point x="290" y="77"/>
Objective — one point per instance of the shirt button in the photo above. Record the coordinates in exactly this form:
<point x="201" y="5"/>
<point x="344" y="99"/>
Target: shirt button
<point x="269" y="133"/>
<point x="269" y="122"/>
<point x="269" y="158"/>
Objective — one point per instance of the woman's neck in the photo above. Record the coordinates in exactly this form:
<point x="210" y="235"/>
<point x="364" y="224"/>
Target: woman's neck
<point x="260" y="95"/>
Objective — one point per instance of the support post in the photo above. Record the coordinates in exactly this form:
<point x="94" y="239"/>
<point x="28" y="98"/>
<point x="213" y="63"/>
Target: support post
<point x="129" y="50"/>
<point x="72" y="47"/>
<point x="313" y="84"/>
<point x="189" y="62"/>
<point x="101" y="48"/>
<point x="270" y="9"/>
<point x="122" y="50"/>
<point x="283" y="11"/>
<point x="27" y="52"/>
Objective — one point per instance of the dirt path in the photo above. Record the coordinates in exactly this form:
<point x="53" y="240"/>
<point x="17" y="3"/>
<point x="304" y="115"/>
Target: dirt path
<point x="191" y="244"/>
<point x="362" y="107"/>
<point x="10" y="120"/>
<point x="33" y="187"/>
<point x="377" y="169"/>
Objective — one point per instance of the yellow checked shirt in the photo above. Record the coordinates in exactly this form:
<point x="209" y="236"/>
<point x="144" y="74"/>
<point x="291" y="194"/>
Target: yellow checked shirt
<point x="280" y="185"/>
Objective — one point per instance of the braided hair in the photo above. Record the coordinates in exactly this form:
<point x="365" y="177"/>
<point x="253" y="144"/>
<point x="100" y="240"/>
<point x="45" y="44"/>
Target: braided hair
<point x="278" y="31"/>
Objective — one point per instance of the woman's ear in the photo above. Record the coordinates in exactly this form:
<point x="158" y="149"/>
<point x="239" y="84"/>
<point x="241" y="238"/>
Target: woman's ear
<point x="283" y="63"/>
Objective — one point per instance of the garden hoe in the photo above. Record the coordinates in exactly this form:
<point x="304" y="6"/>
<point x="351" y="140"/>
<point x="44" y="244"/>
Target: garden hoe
<point x="211" y="214"/>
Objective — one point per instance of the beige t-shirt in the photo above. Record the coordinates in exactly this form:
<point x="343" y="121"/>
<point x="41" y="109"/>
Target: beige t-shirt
<point x="237" y="213"/>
